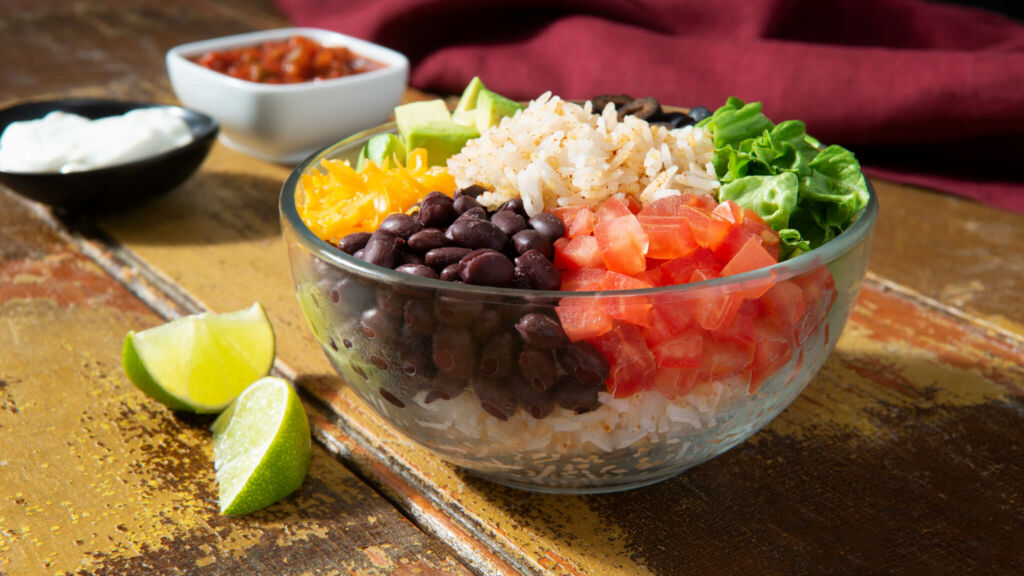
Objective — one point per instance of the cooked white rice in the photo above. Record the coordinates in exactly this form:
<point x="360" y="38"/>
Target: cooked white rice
<point x="556" y="153"/>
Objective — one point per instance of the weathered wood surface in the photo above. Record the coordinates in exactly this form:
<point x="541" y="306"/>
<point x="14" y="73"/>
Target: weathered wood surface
<point x="903" y="456"/>
<point x="96" y="478"/>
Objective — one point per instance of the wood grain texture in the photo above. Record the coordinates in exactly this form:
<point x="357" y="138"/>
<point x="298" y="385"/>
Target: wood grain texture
<point x="902" y="457"/>
<point x="96" y="478"/>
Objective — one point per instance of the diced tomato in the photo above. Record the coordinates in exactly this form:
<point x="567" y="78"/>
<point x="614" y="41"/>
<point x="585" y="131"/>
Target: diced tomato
<point x="579" y="252"/>
<point x="699" y="221"/>
<point x="583" y="320"/>
<point x="783" y="304"/>
<point x="680" y="270"/>
<point x="680" y="351"/>
<point x="741" y="328"/>
<point x="673" y="382"/>
<point x="653" y="275"/>
<point x="633" y="204"/>
<point x="578" y="220"/>
<point x="728" y="211"/>
<point x="724" y="357"/>
<point x="679" y="314"/>
<point x="632" y="309"/>
<point x="752" y="256"/>
<point x="583" y="279"/>
<point x="705" y="202"/>
<point x="755" y="226"/>
<point x="769" y="356"/>
<point x="632" y="364"/>
<point x="611" y="209"/>
<point x="670" y="236"/>
<point x="714" y="308"/>
<point x="622" y="242"/>
<point x="668" y="206"/>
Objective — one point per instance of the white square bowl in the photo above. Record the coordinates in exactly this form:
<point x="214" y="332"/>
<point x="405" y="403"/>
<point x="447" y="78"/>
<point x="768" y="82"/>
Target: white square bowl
<point x="287" y="122"/>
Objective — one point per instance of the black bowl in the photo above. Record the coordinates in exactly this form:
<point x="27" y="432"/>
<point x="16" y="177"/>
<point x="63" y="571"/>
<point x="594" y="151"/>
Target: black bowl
<point x="115" y="187"/>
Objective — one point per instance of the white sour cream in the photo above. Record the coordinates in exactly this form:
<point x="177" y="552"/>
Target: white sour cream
<point x="63" y="142"/>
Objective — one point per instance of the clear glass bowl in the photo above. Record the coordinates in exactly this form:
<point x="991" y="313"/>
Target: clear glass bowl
<point x="747" y="375"/>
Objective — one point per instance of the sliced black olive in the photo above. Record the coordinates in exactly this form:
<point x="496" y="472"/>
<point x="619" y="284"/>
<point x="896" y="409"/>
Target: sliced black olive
<point x="642" y="108"/>
<point x="672" y="120"/>
<point x="699" y="113"/>
<point x="620" y="100"/>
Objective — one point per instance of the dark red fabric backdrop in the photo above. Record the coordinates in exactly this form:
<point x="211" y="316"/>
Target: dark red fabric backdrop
<point x="926" y="93"/>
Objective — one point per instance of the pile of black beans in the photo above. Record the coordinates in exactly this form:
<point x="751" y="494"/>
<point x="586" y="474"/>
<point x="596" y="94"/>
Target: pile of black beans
<point x="513" y="355"/>
<point x="649" y="109"/>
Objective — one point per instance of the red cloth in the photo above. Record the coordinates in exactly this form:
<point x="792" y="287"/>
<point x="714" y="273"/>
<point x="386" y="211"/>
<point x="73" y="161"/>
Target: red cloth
<point x="891" y="79"/>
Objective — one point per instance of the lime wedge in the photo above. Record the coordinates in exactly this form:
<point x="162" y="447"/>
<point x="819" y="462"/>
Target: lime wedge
<point x="201" y="363"/>
<point x="261" y="447"/>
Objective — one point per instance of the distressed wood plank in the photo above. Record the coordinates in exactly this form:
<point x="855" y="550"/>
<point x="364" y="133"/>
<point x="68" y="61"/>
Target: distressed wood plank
<point x="96" y="478"/>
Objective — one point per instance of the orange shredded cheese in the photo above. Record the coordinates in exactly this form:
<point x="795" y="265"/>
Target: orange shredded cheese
<point x="336" y="200"/>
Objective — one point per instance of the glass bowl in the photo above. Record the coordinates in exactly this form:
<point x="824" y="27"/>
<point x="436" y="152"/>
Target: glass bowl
<point x="445" y="364"/>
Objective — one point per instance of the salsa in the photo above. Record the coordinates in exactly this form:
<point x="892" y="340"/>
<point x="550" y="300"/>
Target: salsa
<point x="297" y="59"/>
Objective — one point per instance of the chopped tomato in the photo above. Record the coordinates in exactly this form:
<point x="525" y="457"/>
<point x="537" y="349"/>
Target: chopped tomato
<point x="579" y="252"/>
<point x="670" y="236"/>
<point x="583" y="279"/>
<point x="612" y="209"/>
<point x="632" y="309"/>
<point x="751" y="256"/>
<point x="583" y="320"/>
<point x="623" y="243"/>
<point x="578" y="220"/>
<point x="783" y="304"/>
<point x="673" y="382"/>
<point x="681" y="351"/>
<point x="680" y="270"/>
<point x="755" y="226"/>
<point x="632" y="364"/>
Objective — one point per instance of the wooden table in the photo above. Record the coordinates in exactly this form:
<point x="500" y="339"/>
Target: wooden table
<point x="904" y="456"/>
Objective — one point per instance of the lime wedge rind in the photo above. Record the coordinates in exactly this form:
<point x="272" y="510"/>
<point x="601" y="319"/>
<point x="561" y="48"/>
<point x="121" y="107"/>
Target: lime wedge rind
<point x="261" y="447"/>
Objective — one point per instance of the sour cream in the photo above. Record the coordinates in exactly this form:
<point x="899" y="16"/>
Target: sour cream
<point x="64" y="142"/>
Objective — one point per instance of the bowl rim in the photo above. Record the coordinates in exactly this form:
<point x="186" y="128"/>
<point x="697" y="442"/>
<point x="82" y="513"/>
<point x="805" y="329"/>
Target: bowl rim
<point x="840" y="245"/>
<point x="394" y="62"/>
<point x="209" y="129"/>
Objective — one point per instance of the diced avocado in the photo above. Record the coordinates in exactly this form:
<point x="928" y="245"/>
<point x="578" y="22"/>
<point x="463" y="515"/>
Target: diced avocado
<point x="441" y="139"/>
<point x="491" y="108"/>
<point x="385" y="147"/>
<point x="467" y="103"/>
<point x="408" y="115"/>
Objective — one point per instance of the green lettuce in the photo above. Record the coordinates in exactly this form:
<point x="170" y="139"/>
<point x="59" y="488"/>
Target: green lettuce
<point x="807" y="193"/>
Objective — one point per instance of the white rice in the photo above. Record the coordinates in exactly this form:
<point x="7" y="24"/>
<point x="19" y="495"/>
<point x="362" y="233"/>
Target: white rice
<point x="556" y="153"/>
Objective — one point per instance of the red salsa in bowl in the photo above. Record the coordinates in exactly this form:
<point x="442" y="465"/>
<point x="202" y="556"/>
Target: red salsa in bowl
<point x="297" y="59"/>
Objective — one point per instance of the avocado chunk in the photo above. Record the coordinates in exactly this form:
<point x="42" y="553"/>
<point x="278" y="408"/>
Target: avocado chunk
<point x="465" y="110"/>
<point x="382" y="147"/>
<point x="491" y="108"/>
<point x="409" y="115"/>
<point x="440" y="139"/>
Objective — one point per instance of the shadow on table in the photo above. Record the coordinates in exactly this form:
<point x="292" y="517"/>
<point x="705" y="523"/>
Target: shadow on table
<point x="210" y="208"/>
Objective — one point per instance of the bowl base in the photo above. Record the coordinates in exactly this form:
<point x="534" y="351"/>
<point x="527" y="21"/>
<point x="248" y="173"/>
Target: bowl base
<point x="288" y="158"/>
<point x="580" y="490"/>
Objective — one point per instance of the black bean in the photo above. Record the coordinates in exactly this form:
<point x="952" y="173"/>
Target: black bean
<point x="574" y="395"/>
<point x="508" y="222"/>
<point x="451" y="273"/>
<point x="446" y="389"/>
<point x="418" y="315"/>
<point x="516" y="205"/>
<point x="463" y="203"/>
<point x="383" y="248"/>
<point x="402" y="225"/>
<point x="538" y="367"/>
<point x="549" y="225"/>
<point x="699" y="113"/>
<point x="486" y="323"/>
<point x="538" y="403"/>
<point x="416" y="363"/>
<point x="358" y="254"/>
<point x="532" y="240"/>
<point x="474" y="213"/>
<point x="426" y="240"/>
<point x="498" y="355"/>
<point x="496" y="398"/>
<point x="436" y="211"/>
<point x="418" y="270"/>
<point x="471" y="191"/>
<point x="376" y="325"/>
<point x="473" y="233"/>
<point x="407" y="257"/>
<point x="456" y="311"/>
<point x="540" y="271"/>
<point x="585" y="363"/>
<point x="521" y="281"/>
<point x="454" y="352"/>
<point x="441" y="258"/>
<point x="540" y="330"/>
<point x="486" y="267"/>
<point x="390" y="302"/>
<point x="352" y="242"/>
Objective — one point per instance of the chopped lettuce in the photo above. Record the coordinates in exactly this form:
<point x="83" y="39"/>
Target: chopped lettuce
<point x="806" y="193"/>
